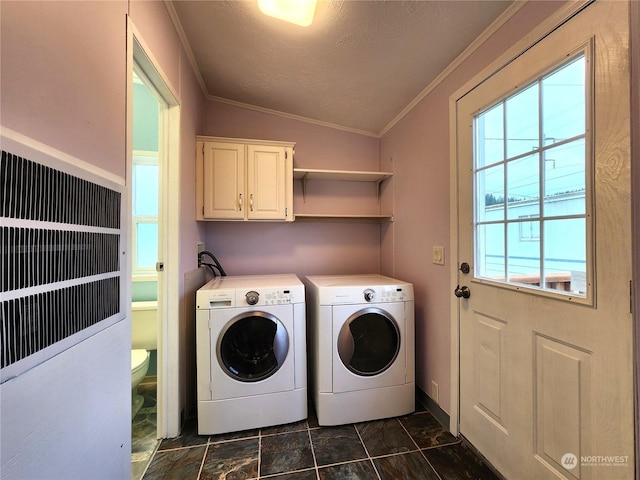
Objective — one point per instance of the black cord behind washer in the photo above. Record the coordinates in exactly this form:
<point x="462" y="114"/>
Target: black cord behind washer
<point x="215" y="265"/>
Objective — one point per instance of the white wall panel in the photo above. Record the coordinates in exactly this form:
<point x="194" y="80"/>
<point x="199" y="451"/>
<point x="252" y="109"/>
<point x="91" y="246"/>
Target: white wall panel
<point x="70" y="417"/>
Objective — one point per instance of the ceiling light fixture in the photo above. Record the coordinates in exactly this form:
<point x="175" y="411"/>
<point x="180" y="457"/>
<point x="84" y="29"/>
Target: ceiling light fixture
<point x="299" y="12"/>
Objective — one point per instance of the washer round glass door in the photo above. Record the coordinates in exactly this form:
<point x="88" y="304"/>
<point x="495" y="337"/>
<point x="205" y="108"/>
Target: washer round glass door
<point x="252" y="346"/>
<point x="369" y="342"/>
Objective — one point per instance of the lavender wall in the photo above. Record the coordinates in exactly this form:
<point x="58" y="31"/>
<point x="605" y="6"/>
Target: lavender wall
<point x="63" y="84"/>
<point x="301" y="248"/>
<point x="417" y="149"/>
<point x="62" y="81"/>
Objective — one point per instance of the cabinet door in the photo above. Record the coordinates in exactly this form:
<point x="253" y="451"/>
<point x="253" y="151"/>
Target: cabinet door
<point x="266" y="183"/>
<point x="224" y="180"/>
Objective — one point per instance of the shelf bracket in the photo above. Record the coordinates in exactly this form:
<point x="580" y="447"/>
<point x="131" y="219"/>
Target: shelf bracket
<point x="378" y="189"/>
<point x="304" y="187"/>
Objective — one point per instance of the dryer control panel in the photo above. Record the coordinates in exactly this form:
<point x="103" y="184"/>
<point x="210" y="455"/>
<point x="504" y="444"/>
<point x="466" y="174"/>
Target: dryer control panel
<point x="373" y="294"/>
<point x="358" y="289"/>
<point x="387" y="294"/>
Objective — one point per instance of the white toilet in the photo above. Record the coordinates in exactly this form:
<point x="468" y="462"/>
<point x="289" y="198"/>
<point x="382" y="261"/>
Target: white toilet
<point x="144" y="328"/>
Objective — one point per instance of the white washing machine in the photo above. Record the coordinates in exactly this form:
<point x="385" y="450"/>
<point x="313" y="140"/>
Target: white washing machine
<point x="250" y="352"/>
<point x="362" y="347"/>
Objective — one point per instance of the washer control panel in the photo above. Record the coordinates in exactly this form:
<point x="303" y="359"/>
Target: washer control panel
<point x="214" y="299"/>
<point x="251" y="291"/>
<point x="268" y="297"/>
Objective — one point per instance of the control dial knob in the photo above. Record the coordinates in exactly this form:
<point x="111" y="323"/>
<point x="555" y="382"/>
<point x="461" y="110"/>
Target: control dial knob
<point x="369" y="295"/>
<point x="252" y="297"/>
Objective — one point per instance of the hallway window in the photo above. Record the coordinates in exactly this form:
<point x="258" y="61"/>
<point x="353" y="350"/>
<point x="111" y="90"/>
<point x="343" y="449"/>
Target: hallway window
<point x="146" y="126"/>
<point x="145" y="211"/>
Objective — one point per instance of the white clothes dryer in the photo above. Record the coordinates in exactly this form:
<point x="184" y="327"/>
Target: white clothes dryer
<point x="362" y="347"/>
<point x="250" y="352"/>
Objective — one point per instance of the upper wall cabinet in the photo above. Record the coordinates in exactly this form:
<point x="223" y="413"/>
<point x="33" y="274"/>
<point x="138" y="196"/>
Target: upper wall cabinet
<point x="240" y="179"/>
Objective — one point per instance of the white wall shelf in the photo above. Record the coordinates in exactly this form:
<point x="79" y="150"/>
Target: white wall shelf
<point x="306" y="174"/>
<point x="320" y="217"/>
<point x="310" y="174"/>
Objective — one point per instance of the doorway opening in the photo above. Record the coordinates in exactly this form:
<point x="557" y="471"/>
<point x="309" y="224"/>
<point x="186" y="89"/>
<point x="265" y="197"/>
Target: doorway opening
<point x="146" y="173"/>
<point x="153" y="173"/>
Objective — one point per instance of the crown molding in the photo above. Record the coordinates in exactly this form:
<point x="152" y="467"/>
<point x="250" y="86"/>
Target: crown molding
<point x="185" y="44"/>
<point x="467" y="52"/>
<point x="292" y="116"/>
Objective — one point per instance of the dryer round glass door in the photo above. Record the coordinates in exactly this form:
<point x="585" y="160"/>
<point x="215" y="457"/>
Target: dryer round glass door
<point x="252" y="346"/>
<point x="369" y="342"/>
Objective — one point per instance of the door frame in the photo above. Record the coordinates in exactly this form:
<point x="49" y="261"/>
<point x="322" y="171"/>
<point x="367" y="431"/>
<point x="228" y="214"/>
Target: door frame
<point x="168" y="388"/>
<point x="634" y="22"/>
<point x="552" y="22"/>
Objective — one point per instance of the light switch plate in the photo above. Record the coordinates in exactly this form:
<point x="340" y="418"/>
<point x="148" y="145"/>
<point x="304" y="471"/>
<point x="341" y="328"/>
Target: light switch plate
<point x="438" y="255"/>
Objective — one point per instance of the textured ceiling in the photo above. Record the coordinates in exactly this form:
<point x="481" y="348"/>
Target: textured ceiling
<point x="357" y="66"/>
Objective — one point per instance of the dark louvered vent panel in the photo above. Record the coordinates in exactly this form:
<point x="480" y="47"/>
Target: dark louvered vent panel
<point x="37" y="256"/>
<point x="33" y="191"/>
<point x="32" y="323"/>
<point x="61" y="272"/>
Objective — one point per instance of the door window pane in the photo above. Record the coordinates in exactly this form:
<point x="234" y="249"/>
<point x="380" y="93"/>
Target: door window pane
<point x="531" y="207"/>
<point x="523" y="260"/>
<point x="522" y="122"/>
<point x="490" y="251"/>
<point x="565" y="255"/>
<point x="490" y="193"/>
<point x="563" y="103"/>
<point x="523" y="186"/>
<point x="565" y="182"/>
<point x="490" y="136"/>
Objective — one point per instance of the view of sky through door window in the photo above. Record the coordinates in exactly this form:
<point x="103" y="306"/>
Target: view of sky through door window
<point x="530" y="175"/>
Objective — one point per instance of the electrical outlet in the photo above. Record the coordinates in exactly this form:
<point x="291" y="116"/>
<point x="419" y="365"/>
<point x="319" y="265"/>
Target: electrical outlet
<point x="434" y="392"/>
<point x="200" y="249"/>
<point x="438" y="255"/>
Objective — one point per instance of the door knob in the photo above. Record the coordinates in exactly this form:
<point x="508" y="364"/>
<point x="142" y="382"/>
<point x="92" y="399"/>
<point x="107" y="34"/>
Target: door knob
<point x="462" y="291"/>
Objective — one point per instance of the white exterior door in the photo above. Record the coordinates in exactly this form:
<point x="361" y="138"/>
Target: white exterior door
<point x="544" y="225"/>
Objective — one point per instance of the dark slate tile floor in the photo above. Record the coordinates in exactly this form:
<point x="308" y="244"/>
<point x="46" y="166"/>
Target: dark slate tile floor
<point x="144" y="429"/>
<point x="412" y="447"/>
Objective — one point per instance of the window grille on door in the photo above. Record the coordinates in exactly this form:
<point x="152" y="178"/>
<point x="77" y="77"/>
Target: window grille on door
<point x="61" y="275"/>
<point x="532" y="173"/>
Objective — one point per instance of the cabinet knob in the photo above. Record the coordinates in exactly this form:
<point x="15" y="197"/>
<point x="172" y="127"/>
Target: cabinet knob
<point x="251" y="202"/>
<point x="240" y="202"/>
